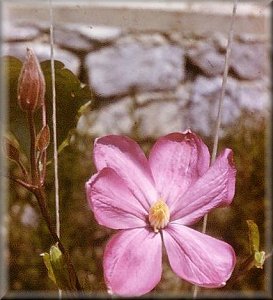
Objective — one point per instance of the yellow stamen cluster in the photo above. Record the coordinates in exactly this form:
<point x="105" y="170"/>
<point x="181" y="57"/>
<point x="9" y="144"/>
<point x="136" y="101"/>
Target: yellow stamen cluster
<point x="159" y="215"/>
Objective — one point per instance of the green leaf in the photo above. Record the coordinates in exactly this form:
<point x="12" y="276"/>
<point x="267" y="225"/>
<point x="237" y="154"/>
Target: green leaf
<point x="254" y="236"/>
<point x="57" y="269"/>
<point x="11" y="149"/>
<point x="71" y="94"/>
<point x="46" y="258"/>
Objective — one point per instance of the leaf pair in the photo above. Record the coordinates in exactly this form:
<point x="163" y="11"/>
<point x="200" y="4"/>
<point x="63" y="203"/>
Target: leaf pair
<point x="57" y="269"/>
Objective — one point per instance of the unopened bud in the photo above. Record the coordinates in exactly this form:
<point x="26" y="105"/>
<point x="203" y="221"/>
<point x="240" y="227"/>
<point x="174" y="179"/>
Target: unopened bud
<point x="31" y="84"/>
<point x="43" y="138"/>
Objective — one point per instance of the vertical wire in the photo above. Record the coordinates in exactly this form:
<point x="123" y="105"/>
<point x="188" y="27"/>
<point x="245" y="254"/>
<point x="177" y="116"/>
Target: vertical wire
<point x="220" y="106"/>
<point x="54" y="121"/>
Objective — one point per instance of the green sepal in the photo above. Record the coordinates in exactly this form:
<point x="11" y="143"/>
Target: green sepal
<point x="254" y="236"/>
<point x="254" y="242"/>
<point x="259" y="257"/>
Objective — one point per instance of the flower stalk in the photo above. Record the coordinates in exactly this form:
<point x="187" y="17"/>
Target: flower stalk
<point x="31" y="93"/>
<point x="219" y="113"/>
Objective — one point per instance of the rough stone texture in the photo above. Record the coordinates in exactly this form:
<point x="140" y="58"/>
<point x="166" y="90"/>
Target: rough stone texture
<point x="117" y="70"/>
<point x="71" y="40"/>
<point x="111" y="119"/>
<point x="160" y="118"/>
<point x="253" y="96"/>
<point x="207" y="58"/>
<point x="248" y="60"/>
<point x="169" y="95"/>
<point x="101" y="34"/>
<point x="152" y="39"/>
<point x="148" y="97"/>
<point x="205" y="96"/>
<point x="42" y="51"/>
<point x="153" y="119"/>
<point x="13" y="32"/>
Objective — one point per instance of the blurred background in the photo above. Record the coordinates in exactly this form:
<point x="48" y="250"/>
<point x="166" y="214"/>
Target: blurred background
<point x="152" y="68"/>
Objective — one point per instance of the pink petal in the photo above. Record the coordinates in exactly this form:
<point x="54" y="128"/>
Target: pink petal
<point x="88" y="185"/>
<point x="126" y="157"/>
<point x="176" y="161"/>
<point x="113" y="203"/>
<point x="197" y="257"/>
<point x="133" y="262"/>
<point x="215" y="188"/>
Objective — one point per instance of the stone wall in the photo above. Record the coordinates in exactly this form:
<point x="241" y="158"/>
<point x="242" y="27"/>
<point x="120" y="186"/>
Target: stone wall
<point x="151" y="81"/>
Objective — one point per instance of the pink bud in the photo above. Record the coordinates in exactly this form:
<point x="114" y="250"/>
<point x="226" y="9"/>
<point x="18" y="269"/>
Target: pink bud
<point x="43" y="138"/>
<point x="31" y="84"/>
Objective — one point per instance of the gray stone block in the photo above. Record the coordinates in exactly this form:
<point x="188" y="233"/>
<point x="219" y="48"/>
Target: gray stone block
<point x="71" y="40"/>
<point x="97" y="33"/>
<point x="12" y="32"/>
<point x="207" y="58"/>
<point x="248" y="61"/>
<point x="239" y="97"/>
<point x="117" y="70"/>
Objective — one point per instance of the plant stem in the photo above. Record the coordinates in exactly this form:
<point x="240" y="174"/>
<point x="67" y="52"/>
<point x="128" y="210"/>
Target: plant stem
<point x="39" y="193"/>
<point x="32" y="151"/>
<point x="54" y="121"/>
<point x="40" y="196"/>
<point x="26" y="185"/>
<point x="24" y="170"/>
<point x="220" y="105"/>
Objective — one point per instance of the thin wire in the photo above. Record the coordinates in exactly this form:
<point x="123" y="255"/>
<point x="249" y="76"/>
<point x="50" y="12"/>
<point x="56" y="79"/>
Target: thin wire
<point x="220" y="105"/>
<point x="54" y="120"/>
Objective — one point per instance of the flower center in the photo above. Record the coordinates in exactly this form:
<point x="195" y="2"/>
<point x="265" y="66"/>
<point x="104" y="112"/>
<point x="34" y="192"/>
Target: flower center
<point x="159" y="215"/>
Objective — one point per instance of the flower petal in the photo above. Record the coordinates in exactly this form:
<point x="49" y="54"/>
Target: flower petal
<point x="113" y="203"/>
<point x="197" y="257"/>
<point x="133" y="262"/>
<point x="176" y="161"/>
<point x="126" y="157"/>
<point x="215" y="188"/>
<point x="88" y="186"/>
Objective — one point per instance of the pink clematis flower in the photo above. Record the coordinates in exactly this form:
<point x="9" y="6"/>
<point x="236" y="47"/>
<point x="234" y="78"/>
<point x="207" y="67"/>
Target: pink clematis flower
<point x="152" y="202"/>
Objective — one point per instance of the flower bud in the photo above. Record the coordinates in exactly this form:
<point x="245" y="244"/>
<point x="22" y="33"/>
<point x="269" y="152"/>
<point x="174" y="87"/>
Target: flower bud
<point x="43" y="139"/>
<point x="31" y="84"/>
